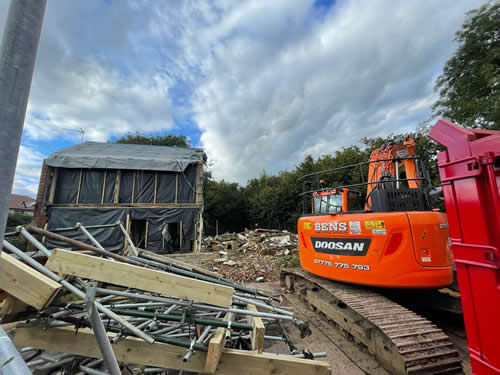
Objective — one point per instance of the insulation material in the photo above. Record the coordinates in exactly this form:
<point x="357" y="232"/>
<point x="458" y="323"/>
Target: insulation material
<point x="144" y="187"/>
<point x="91" y="187"/>
<point x="187" y="185"/>
<point x="126" y="187"/>
<point x="166" y="187"/>
<point x="109" y="190"/>
<point x="67" y="186"/>
<point x="112" y="238"/>
<point x="97" y="155"/>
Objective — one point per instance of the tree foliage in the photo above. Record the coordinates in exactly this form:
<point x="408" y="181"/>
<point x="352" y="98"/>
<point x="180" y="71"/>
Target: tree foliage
<point x="469" y="88"/>
<point x="274" y="201"/>
<point x="155" y="140"/>
<point x="16" y="219"/>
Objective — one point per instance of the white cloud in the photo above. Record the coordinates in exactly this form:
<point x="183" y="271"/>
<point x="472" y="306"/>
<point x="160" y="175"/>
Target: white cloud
<point x="266" y="81"/>
<point x="29" y="163"/>
<point x="99" y="101"/>
<point x="280" y="83"/>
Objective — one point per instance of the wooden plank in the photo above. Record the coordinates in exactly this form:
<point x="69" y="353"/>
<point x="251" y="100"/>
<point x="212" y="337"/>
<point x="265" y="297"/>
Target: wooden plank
<point x="142" y="205"/>
<point x="53" y="186"/>
<point x="199" y="184"/>
<point x="116" y="198"/>
<point x="123" y="274"/>
<point x="103" y="187"/>
<point x="195" y="240"/>
<point x="10" y="307"/>
<point x="133" y="188"/>
<point x="136" y="351"/>
<point x="258" y="330"/>
<point x="215" y="347"/>
<point x="200" y="229"/>
<point x="25" y="283"/>
<point x="155" y="187"/>
<point x="79" y="187"/>
<point x="176" y="185"/>
<point x="127" y="228"/>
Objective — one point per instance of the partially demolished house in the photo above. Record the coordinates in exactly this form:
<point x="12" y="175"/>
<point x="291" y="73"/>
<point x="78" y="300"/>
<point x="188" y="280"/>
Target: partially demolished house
<point x="154" y="191"/>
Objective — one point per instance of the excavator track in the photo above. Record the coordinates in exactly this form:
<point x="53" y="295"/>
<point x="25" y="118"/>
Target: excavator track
<point x="401" y="340"/>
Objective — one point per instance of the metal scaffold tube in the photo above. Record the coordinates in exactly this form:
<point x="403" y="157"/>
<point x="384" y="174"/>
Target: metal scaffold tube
<point x="70" y="287"/>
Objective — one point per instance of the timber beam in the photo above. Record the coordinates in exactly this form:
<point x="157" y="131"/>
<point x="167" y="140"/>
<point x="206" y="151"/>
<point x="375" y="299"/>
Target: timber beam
<point x="136" y="351"/>
<point x="164" y="283"/>
<point x="25" y="283"/>
<point x="258" y="330"/>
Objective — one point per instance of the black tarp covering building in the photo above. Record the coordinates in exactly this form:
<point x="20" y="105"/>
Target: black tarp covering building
<point x="154" y="191"/>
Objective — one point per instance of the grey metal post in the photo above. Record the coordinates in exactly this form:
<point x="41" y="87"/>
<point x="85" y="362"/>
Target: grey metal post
<point x="100" y="331"/>
<point x="129" y="240"/>
<point x="96" y="243"/>
<point x="11" y="361"/>
<point x="17" y="61"/>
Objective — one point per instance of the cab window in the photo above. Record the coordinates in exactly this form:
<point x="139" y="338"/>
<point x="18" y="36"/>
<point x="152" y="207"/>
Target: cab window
<point x="327" y="204"/>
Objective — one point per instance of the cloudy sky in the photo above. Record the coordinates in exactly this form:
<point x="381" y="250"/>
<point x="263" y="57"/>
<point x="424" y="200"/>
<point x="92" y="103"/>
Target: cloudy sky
<point x="258" y="84"/>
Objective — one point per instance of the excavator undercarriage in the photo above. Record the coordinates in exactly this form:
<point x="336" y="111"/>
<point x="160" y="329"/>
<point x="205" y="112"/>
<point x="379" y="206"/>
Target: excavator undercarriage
<point x="401" y="340"/>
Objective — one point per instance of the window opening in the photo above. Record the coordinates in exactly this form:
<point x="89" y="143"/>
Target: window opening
<point x="138" y="229"/>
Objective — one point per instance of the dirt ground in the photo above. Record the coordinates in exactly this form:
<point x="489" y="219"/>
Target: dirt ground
<point x="344" y="356"/>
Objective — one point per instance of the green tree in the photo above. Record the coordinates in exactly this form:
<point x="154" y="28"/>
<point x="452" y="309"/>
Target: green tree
<point x="16" y="219"/>
<point x="223" y="203"/>
<point x="469" y="88"/>
<point x="156" y="140"/>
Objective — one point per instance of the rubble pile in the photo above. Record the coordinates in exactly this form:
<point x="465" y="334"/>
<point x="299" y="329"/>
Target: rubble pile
<point x="252" y="255"/>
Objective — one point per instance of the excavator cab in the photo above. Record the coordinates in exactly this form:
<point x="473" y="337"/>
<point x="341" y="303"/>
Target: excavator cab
<point x="333" y="201"/>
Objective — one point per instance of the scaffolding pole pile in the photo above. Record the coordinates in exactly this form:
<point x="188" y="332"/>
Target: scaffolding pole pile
<point x="94" y="311"/>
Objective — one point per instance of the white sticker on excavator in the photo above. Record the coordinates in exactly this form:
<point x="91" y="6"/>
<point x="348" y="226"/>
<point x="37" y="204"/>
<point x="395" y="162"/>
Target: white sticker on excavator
<point x="355" y="227"/>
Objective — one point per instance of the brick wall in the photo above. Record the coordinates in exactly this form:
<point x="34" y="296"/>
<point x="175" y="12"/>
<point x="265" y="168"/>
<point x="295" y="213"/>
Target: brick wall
<point x="40" y="217"/>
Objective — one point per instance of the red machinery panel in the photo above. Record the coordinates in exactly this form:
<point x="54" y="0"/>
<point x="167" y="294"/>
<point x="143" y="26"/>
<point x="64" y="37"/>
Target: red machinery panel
<point x="470" y="177"/>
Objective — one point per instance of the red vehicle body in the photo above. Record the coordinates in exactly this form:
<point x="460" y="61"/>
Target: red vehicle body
<point x="470" y="177"/>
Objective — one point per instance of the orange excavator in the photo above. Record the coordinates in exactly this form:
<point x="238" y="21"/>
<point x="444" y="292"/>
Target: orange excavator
<point x="392" y="239"/>
<point x="377" y="231"/>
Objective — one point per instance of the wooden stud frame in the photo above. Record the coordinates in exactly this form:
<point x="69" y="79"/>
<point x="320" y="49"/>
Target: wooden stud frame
<point x="116" y="199"/>
<point x="133" y="188"/>
<point x="79" y="187"/>
<point x="53" y="185"/>
<point x="196" y="245"/>
<point x="176" y="186"/>
<point x="155" y="187"/>
<point x="103" y="187"/>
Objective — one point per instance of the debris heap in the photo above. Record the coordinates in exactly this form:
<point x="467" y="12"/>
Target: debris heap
<point x="143" y="313"/>
<point x="253" y="255"/>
